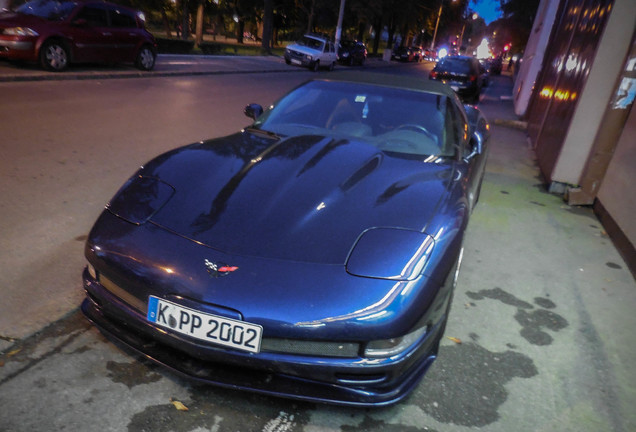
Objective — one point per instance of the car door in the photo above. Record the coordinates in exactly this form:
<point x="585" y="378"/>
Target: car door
<point x="90" y="34"/>
<point x="126" y="34"/>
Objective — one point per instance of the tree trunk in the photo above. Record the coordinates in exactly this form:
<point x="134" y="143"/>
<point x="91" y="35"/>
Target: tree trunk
<point x="310" y="18"/>
<point x="268" y="26"/>
<point x="378" y="34"/>
<point x="185" y="23"/>
<point x="166" y="22"/>
<point x="199" y="31"/>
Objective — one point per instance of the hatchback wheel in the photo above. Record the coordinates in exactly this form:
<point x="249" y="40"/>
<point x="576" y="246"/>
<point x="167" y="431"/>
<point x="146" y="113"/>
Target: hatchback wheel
<point x="54" y="56"/>
<point x="145" y="58"/>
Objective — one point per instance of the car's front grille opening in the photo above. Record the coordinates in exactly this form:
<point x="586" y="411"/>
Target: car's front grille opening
<point x="122" y="294"/>
<point x="311" y="348"/>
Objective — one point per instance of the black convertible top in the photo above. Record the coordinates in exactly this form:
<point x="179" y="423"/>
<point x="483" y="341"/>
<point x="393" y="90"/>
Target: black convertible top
<point x="391" y="80"/>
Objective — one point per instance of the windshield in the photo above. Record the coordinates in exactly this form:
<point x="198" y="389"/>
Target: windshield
<point x="311" y="43"/>
<point x="52" y="10"/>
<point x="393" y="119"/>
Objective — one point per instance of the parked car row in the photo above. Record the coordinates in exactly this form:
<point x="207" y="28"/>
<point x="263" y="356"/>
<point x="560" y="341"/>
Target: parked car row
<point x="317" y="51"/>
<point x="408" y="54"/>
<point x="56" y="33"/>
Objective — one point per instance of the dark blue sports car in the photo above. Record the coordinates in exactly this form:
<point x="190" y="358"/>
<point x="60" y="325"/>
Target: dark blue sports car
<point x="312" y="255"/>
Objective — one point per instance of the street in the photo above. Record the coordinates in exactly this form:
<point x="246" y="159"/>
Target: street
<point x="541" y="322"/>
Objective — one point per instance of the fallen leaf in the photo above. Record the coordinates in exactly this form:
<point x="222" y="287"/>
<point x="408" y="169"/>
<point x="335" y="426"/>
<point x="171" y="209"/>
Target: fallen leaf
<point x="14" y="352"/>
<point x="454" y="339"/>
<point x="178" y="405"/>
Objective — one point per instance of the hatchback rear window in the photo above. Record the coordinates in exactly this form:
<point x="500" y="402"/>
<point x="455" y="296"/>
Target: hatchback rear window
<point x="454" y="65"/>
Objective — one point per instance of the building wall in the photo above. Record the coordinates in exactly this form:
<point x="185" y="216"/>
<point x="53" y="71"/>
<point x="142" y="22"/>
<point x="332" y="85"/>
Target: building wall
<point x="560" y="90"/>
<point x="617" y="194"/>
<point x="613" y="46"/>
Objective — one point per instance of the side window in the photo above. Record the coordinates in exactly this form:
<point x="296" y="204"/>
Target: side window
<point x="122" y="19"/>
<point x="95" y="17"/>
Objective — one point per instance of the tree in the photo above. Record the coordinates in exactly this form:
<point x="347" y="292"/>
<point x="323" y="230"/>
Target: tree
<point x="516" y="25"/>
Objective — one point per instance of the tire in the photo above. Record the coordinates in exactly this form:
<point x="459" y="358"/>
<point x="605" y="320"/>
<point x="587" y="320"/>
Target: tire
<point x="54" y="56"/>
<point x="332" y="66"/>
<point x="316" y="66"/>
<point x="146" y="58"/>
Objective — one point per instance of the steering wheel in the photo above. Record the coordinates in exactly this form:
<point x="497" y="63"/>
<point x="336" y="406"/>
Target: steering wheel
<point x="417" y="128"/>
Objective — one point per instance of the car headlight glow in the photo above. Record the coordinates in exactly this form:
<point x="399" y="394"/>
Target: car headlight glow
<point x="20" y="31"/>
<point x="390" y="347"/>
<point x="390" y="253"/>
<point x="308" y="57"/>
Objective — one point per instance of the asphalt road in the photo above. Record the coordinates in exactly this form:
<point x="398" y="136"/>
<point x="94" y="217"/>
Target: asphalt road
<point x="543" y="308"/>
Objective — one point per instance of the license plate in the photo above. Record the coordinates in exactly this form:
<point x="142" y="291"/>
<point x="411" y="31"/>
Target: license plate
<point x="215" y="329"/>
<point x="296" y="62"/>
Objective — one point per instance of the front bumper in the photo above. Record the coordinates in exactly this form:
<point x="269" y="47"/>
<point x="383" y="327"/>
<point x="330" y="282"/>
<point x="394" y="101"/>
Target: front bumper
<point x="346" y="381"/>
<point x="17" y="49"/>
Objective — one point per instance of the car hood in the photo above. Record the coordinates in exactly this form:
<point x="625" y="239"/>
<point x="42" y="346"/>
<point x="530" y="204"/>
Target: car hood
<point x="303" y="49"/>
<point x="14" y="19"/>
<point x="305" y="198"/>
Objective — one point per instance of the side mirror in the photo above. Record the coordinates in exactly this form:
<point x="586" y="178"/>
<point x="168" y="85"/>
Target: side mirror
<point x="477" y="144"/>
<point x="253" y="111"/>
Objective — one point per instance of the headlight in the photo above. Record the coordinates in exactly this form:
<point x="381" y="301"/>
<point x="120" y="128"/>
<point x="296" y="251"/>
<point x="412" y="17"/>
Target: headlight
<point x="345" y="54"/>
<point x="140" y="198"/>
<point x="390" y="347"/>
<point x="308" y="57"/>
<point x="390" y="253"/>
<point x="20" y="31"/>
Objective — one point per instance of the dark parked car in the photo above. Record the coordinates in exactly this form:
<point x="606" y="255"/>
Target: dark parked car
<point x="312" y="255"/>
<point x="405" y="54"/>
<point x="462" y="73"/>
<point x="58" y="32"/>
<point x="418" y="53"/>
<point x="494" y="65"/>
<point x="352" y="53"/>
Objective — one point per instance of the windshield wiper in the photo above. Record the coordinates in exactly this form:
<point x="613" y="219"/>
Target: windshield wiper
<point x="267" y="133"/>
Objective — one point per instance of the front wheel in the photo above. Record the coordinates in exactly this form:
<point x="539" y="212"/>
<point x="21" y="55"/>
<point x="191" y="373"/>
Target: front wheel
<point x="145" y="58"/>
<point x="316" y="66"/>
<point x="54" y="56"/>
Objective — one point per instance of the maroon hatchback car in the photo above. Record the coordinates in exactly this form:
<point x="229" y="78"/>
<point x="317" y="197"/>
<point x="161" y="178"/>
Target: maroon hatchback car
<point x="58" y="32"/>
